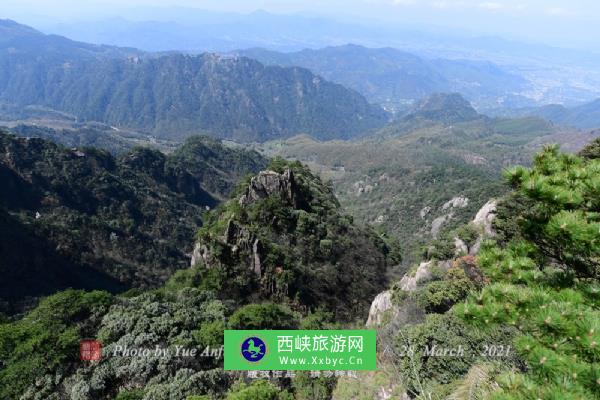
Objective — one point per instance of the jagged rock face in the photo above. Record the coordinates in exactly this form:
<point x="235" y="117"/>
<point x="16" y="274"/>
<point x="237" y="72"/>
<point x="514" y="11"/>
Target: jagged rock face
<point x="383" y="302"/>
<point x="256" y="254"/>
<point x="423" y="274"/>
<point x="380" y="305"/>
<point x="268" y="183"/>
<point x="447" y="209"/>
<point x="456" y="202"/>
<point x="196" y="254"/>
<point x="460" y="247"/>
<point x="485" y="216"/>
<point x="484" y="219"/>
<point x="436" y="224"/>
<point x="239" y="240"/>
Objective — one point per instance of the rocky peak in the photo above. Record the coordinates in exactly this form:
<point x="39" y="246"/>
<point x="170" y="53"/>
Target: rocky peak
<point x="284" y="229"/>
<point x="269" y="183"/>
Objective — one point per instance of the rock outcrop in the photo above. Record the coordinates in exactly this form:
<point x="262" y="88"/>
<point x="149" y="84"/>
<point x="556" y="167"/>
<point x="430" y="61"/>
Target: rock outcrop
<point x="268" y="183"/>
<point x="407" y="312"/>
<point x="436" y="224"/>
<point x="380" y="305"/>
<point x="383" y="303"/>
<point x="239" y="239"/>
<point x="484" y="220"/>
<point x="456" y="202"/>
<point x="485" y="216"/>
<point x="448" y="213"/>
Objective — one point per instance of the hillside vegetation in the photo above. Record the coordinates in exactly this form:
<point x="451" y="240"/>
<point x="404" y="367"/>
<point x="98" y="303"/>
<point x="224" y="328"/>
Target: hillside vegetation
<point x="427" y="172"/>
<point x="85" y="219"/>
<point x="524" y="310"/>
<point x="585" y="116"/>
<point x="175" y="96"/>
<point x="312" y="268"/>
<point x="285" y="238"/>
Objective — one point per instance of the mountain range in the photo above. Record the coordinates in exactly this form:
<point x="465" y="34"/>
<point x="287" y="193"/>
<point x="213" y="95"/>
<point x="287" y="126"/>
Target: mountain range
<point x="125" y="233"/>
<point x="572" y="79"/>
<point x="395" y="78"/>
<point x="173" y="96"/>
<point x="197" y="30"/>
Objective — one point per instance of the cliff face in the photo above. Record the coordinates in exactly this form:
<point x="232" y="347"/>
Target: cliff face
<point x="285" y="238"/>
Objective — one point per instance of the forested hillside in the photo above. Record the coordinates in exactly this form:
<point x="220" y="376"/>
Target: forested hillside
<point x="285" y="238"/>
<point x="85" y="219"/>
<point x="174" y="96"/>
<point x="280" y="254"/>
<point x="584" y="116"/>
<point x="519" y="294"/>
<point x="96" y="135"/>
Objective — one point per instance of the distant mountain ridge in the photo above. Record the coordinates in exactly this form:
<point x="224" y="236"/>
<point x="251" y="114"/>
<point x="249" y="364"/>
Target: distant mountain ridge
<point x="585" y="116"/>
<point x="395" y="78"/>
<point x="176" y="95"/>
<point x="18" y="39"/>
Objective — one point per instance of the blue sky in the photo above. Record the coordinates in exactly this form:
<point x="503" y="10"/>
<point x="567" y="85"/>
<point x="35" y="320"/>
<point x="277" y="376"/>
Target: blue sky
<point x="574" y="23"/>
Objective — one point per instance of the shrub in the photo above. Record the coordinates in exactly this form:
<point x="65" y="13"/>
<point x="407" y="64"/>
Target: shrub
<point x="308" y="388"/>
<point x="133" y="394"/>
<point x="438" y="333"/>
<point x="592" y="150"/>
<point x="210" y="334"/>
<point x="263" y="316"/>
<point x="317" y="319"/>
<point x="440" y="296"/>
<point x="563" y="221"/>
<point x="47" y="338"/>
<point x="258" y="390"/>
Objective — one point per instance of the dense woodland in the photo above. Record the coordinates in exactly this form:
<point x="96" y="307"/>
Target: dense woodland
<point x="84" y="218"/>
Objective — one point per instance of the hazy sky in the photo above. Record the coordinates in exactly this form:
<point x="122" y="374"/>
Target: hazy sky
<point x="574" y="23"/>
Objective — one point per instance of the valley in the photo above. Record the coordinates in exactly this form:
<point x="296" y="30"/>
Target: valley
<point x="407" y="178"/>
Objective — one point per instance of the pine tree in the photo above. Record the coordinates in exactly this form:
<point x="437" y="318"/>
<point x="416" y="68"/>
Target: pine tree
<point x="546" y="281"/>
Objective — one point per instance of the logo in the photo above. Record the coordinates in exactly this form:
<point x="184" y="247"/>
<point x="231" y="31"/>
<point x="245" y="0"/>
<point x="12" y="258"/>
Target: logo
<point x="300" y="350"/>
<point x="90" y="350"/>
<point x="253" y="349"/>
